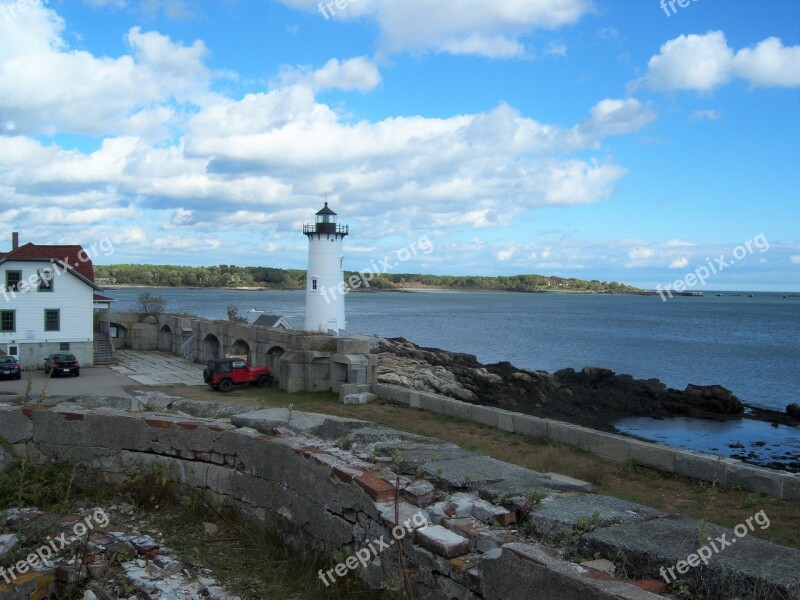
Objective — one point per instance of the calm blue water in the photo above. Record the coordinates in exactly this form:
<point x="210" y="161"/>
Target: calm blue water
<point x="749" y="345"/>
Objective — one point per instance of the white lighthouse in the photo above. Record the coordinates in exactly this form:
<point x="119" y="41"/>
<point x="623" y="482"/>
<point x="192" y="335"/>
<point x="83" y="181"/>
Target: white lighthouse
<point x="325" y="288"/>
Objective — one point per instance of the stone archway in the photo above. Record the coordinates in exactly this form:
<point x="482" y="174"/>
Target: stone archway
<point x="274" y="361"/>
<point x="241" y="348"/>
<point x="211" y="347"/>
<point x="165" y="339"/>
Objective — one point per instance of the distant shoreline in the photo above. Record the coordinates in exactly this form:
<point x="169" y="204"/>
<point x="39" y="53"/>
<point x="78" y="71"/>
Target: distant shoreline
<point x="116" y="286"/>
<point x="712" y="293"/>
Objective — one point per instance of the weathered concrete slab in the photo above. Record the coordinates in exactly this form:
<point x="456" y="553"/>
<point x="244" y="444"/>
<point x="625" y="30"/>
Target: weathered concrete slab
<point x="558" y="518"/>
<point x="15" y="427"/>
<point x="158" y="368"/>
<point x="652" y="455"/>
<point x="491" y="477"/>
<point x="744" y="567"/>
<point x="567" y="433"/>
<point x="358" y="398"/>
<point x="753" y="478"/>
<point x="527" y="571"/>
<point x="583" y="486"/>
<point x="324" y="426"/>
<point x="528" y="425"/>
<point x="457" y="409"/>
<point x="486" y="415"/>
<point x="416" y="453"/>
<point x="604" y="444"/>
<point x="700" y="466"/>
<point x="791" y="487"/>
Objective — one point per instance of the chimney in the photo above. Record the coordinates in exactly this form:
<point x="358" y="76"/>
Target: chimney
<point x="14" y="241"/>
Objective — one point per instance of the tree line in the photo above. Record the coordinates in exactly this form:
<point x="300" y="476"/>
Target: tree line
<point x="232" y="276"/>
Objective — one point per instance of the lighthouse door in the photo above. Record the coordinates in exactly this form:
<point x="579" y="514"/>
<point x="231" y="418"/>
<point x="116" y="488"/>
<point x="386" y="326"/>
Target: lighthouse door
<point x="333" y="326"/>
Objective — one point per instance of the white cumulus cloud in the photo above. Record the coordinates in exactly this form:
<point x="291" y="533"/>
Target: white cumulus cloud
<point x="679" y="263"/>
<point x="492" y="29"/>
<point x="358" y="73"/>
<point x="705" y="62"/>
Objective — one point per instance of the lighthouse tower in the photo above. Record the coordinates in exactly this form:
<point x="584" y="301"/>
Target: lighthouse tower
<point x="325" y="282"/>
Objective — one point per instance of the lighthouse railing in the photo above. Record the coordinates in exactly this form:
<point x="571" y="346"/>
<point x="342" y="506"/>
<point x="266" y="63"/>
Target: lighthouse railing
<point x="326" y="228"/>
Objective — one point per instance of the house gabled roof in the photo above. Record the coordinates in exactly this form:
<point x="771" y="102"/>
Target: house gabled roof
<point x="270" y="321"/>
<point x="73" y="257"/>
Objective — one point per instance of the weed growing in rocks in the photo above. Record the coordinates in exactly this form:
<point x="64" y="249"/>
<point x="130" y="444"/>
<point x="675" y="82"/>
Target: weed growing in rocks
<point x="537" y="496"/>
<point x="588" y="523"/>
<point x="47" y="486"/>
<point x="149" y="489"/>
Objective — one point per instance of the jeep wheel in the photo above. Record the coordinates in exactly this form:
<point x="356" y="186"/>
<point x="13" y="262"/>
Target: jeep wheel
<point x="264" y="381"/>
<point x="225" y="385"/>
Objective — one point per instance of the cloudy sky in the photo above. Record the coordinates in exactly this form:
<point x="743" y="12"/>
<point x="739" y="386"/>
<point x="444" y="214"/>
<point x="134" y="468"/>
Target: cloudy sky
<point x="601" y="139"/>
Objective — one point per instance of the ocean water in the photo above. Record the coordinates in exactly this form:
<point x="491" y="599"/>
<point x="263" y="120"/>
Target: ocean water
<point x="749" y="345"/>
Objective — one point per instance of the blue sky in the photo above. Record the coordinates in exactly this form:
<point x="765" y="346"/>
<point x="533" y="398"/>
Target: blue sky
<point x="603" y="140"/>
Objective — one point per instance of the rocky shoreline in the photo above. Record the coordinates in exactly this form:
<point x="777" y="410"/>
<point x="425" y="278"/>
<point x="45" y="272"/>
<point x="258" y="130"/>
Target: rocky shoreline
<point x="593" y="397"/>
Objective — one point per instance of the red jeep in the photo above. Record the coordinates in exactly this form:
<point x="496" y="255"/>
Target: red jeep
<point x="223" y="373"/>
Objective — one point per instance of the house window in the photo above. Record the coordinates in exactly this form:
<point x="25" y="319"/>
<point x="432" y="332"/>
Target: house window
<point x="12" y="280"/>
<point x="313" y="284"/>
<point x="52" y="319"/>
<point x="46" y="280"/>
<point x="63" y="347"/>
<point x="8" y="321"/>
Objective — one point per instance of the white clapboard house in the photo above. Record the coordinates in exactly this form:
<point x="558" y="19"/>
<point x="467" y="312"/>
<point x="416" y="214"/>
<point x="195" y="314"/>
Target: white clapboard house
<point x="49" y="303"/>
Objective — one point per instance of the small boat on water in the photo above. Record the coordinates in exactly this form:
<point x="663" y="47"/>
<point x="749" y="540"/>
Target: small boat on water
<point x="256" y="311"/>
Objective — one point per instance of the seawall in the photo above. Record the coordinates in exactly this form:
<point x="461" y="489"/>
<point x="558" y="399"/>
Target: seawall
<point x="705" y="467"/>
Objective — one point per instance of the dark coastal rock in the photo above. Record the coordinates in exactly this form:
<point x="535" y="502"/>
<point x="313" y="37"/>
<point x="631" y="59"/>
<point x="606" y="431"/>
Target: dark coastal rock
<point x="793" y="410"/>
<point x="594" y="396"/>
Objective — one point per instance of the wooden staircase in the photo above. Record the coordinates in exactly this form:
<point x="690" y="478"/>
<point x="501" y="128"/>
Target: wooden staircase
<point x="103" y="346"/>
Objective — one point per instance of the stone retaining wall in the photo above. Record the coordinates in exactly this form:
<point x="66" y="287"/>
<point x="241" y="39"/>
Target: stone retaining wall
<point x="316" y="496"/>
<point x="288" y="470"/>
<point x="706" y="467"/>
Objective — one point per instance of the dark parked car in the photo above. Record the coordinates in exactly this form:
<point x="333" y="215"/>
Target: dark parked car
<point x="9" y="367"/>
<point x="62" y="363"/>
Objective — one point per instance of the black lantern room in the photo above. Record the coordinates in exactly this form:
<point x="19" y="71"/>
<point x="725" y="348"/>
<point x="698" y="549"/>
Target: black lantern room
<point x="325" y="223"/>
